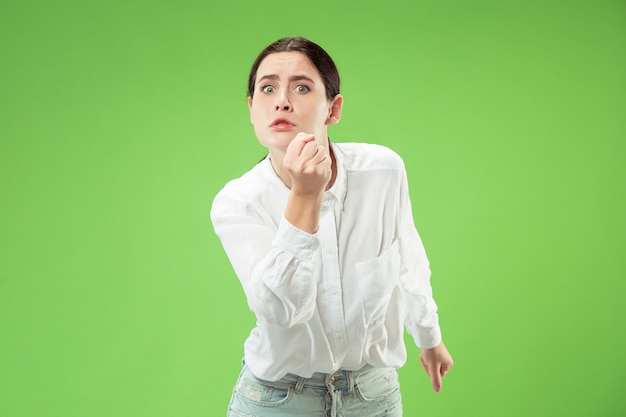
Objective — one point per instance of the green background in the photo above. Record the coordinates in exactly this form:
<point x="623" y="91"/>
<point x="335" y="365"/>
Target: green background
<point x="120" y="120"/>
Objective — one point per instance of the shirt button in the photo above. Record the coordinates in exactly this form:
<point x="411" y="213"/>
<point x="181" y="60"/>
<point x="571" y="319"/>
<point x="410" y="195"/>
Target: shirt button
<point x="338" y="335"/>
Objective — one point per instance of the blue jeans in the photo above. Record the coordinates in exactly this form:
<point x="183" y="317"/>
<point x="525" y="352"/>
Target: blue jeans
<point x="372" y="392"/>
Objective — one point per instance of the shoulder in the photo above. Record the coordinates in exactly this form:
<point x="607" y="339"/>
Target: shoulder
<point x="368" y="156"/>
<point x="240" y="193"/>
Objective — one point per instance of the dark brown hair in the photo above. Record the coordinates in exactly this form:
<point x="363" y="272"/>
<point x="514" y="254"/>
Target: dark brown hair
<point x="316" y="54"/>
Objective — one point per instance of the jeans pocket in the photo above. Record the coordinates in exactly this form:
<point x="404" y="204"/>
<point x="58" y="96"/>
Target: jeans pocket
<point x="262" y="393"/>
<point x="377" y="385"/>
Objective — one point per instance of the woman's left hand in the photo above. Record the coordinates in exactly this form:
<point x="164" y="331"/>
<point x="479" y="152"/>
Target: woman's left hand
<point x="436" y="362"/>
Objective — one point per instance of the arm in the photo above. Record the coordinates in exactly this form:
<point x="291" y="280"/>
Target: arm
<point x="422" y="320"/>
<point x="276" y="267"/>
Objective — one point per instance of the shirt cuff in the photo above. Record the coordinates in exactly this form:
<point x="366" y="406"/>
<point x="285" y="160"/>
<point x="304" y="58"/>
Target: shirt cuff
<point x="427" y="338"/>
<point x="296" y="241"/>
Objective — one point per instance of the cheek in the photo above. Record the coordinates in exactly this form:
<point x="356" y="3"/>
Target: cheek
<point x="258" y="120"/>
<point x="254" y="114"/>
<point x="323" y="112"/>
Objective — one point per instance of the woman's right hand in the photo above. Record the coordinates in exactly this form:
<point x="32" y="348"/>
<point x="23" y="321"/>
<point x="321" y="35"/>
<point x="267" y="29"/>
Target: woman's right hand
<point x="308" y="164"/>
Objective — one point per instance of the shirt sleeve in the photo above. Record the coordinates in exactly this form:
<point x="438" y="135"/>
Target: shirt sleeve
<point x="275" y="267"/>
<point x="422" y="320"/>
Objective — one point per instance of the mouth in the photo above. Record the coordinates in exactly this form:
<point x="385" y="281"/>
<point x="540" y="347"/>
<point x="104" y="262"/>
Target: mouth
<point x="282" y="124"/>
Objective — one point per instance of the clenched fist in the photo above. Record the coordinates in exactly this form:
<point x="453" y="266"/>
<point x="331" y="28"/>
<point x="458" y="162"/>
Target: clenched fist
<point x="308" y="164"/>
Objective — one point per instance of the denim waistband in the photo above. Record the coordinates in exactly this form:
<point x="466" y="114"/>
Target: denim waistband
<point x="337" y="380"/>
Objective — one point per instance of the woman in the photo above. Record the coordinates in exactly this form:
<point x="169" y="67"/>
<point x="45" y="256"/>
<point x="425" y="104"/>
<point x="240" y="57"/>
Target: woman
<point x="322" y="238"/>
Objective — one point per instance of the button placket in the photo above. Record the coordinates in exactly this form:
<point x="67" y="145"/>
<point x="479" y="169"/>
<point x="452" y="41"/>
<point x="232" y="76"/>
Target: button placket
<point x="334" y="303"/>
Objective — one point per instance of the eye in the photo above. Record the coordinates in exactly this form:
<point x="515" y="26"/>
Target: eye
<point x="300" y="88"/>
<point x="268" y="89"/>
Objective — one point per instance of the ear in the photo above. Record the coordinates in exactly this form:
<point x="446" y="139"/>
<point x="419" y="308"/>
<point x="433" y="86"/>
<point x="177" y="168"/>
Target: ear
<point x="250" y="107"/>
<point x="334" y="114"/>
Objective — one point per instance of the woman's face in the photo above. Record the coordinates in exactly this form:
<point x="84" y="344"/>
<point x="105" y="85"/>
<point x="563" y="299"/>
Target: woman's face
<point x="290" y="97"/>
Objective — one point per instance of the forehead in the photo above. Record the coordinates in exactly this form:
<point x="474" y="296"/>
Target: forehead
<point x="286" y="64"/>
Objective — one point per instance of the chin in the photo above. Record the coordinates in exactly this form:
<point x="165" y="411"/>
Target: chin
<point x="278" y="140"/>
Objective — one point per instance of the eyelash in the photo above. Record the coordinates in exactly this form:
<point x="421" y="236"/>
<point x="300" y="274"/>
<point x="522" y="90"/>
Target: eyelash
<point x="265" y="87"/>
<point x="306" y="88"/>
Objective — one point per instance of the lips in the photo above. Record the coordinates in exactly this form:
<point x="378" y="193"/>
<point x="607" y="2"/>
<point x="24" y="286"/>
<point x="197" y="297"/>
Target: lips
<point x="282" y="124"/>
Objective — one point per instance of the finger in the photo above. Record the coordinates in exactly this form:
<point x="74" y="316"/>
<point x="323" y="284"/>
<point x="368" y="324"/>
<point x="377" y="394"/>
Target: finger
<point x="445" y="369"/>
<point x="424" y="365"/>
<point x="302" y="149"/>
<point x="436" y="380"/>
<point x="304" y="137"/>
<point x="309" y="150"/>
<point x="298" y="143"/>
<point x="320" y="156"/>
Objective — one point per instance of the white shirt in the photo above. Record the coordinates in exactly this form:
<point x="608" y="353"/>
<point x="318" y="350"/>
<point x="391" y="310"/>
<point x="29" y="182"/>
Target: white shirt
<point x="339" y="298"/>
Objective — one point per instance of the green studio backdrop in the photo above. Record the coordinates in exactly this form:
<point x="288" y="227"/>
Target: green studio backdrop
<point x="120" y="120"/>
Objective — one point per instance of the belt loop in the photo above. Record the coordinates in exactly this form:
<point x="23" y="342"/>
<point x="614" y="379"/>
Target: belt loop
<point x="300" y="385"/>
<point x="350" y="378"/>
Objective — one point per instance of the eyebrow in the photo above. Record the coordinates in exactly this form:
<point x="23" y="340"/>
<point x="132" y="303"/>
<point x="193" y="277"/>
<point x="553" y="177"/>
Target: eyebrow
<point x="292" y="78"/>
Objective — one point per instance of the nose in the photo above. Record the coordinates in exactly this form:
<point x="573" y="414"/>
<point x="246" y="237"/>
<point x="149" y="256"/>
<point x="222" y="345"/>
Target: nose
<point x="282" y="103"/>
